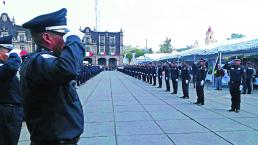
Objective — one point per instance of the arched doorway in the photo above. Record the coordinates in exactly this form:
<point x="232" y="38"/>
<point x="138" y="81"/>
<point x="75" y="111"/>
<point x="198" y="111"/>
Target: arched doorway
<point x="88" y="59"/>
<point x="102" y="61"/>
<point x="112" y="62"/>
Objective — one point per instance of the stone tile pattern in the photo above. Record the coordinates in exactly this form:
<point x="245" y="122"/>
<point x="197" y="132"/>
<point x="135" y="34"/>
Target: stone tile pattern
<point x="121" y="110"/>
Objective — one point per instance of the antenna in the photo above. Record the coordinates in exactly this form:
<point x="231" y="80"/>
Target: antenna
<point x="96" y="14"/>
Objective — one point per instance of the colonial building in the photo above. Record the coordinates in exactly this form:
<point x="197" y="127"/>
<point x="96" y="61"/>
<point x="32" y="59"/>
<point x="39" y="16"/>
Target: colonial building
<point x="210" y="37"/>
<point x="21" y="36"/>
<point x="103" y="48"/>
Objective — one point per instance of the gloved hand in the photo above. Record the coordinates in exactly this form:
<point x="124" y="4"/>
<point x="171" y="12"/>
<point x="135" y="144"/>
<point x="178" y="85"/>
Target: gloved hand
<point x="202" y="82"/>
<point x="176" y="80"/>
<point x="166" y="78"/>
<point x="74" y="32"/>
<point x="17" y="51"/>
<point x="186" y="81"/>
<point x="241" y="87"/>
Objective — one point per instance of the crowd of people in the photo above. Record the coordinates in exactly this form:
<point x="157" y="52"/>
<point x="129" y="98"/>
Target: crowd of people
<point x="240" y="77"/>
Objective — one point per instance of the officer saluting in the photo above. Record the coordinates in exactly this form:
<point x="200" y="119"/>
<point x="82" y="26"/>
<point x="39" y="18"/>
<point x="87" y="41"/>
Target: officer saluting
<point x="237" y="76"/>
<point x="53" y="111"/>
<point x="11" y="113"/>
<point x="200" y="78"/>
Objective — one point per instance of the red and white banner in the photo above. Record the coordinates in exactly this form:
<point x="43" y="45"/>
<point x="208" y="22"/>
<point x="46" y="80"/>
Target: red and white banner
<point x="89" y="54"/>
<point x="103" y="53"/>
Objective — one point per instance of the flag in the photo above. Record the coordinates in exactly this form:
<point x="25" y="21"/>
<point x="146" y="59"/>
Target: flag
<point x="103" y="53"/>
<point x="89" y="54"/>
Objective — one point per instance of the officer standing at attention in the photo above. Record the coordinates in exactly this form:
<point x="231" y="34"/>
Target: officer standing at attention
<point x="153" y="71"/>
<point x="160" y="75"/>
<point x="249" y="78"/>
<point x="11" y="113"/>
<point x="174" y="77"/>
<point x="52" y="108"/>
<point x="200" y="78"/>
<point x="167" y="73"/>
<point x="237" y="78"/>
<point x="185" y="76"/>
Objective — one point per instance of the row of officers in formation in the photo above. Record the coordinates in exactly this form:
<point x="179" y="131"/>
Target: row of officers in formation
<point x="40" y="87"/>
<point x="240" y="78"/>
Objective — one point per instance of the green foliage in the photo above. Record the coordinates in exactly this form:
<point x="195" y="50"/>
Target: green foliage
<point x="166" y="47"/>
<point x="129" y="50"/>
<point x="236" y="36"/>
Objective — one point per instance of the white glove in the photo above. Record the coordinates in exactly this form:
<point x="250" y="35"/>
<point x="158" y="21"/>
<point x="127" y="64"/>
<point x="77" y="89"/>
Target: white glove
<point x="202" y="82"/>
<point x="186" y="81"/>
<point x="176" y="80"/>
<point x="166" y="78"/>
<point x="240" y="87"/>
<point x="17" y="51"/>
<point x="76" y="33"/>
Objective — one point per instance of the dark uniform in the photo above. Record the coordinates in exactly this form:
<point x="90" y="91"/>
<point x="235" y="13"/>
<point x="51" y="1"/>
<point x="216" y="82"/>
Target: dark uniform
<point x="11" y="113"/>
<point x="185" y="76"/>
<point x="167" y="77"/>
<point x="153" y="71"/>
<point x="200" y="79"/>
<point x="174" y="77"/>
<point x="53" y="111"/>
<point x="160" y="75"/>
<point x="248" y="81"/>
<point x="237" y="77"/>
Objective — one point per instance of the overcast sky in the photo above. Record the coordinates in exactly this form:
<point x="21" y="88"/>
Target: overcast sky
<point x="184" y="21"/>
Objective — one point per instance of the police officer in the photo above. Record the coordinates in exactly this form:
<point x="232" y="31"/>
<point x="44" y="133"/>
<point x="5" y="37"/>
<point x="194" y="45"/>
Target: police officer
<point x="249" y="78"/>
<point x="185" y="76"/>
<point x="11" y="113"/>
<point x="154" y="74"/>
<point x="237" y="77"/>
<point x="160" y="75"/>
<point x="53" y="111"/>
<point x="200" y="78"/>
<point x="167" y="73"/>
<point x="174" y="77"/>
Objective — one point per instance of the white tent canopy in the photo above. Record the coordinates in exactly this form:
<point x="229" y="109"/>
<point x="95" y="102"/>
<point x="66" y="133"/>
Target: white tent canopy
<point x="243" y="44"/>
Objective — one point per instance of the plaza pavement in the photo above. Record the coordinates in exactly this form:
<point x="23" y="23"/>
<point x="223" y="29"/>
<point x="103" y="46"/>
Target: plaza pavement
<point x="121" y="110"/>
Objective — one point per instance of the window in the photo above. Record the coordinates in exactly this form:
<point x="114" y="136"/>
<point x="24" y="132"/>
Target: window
<point x="102" y="40"/>
<point x="101" y="49"/>
<point x="22" y="47"/>
<point x="112" y="50"/>
<point x="22" y="38"/>
<point x="112" y="41"/>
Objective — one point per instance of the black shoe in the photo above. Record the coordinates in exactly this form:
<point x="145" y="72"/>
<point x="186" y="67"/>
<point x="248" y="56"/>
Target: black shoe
<point x="173" y="93"/>
<point x="237" y="110"/>
<point x="231" y="110"/>
<point x="197" y="103"/>
<point x="158" y="87"/>
<point x="202" y="104"/>
<point x="186" y="97"/>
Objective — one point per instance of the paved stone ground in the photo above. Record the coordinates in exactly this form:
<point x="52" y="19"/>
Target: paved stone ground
<point x="121" y="110"/>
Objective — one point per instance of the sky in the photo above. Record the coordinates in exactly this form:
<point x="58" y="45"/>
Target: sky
<point x="184" y="21"/>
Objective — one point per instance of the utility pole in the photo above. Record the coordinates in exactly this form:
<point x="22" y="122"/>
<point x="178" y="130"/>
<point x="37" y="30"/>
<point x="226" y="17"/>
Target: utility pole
<point x="96" y="15"/>
<point x="146" y="44"/>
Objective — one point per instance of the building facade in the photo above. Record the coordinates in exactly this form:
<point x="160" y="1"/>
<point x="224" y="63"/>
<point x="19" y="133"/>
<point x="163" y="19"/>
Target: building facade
<point x="210" y="37"/>
<point x="103" y="48"/>
<point x="21" y="37"/>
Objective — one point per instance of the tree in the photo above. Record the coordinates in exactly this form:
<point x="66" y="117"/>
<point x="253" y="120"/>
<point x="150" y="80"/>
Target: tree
<point x="166" y="47"/>
<point x="236" y="36"/>
<point x="129" y="50"/>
